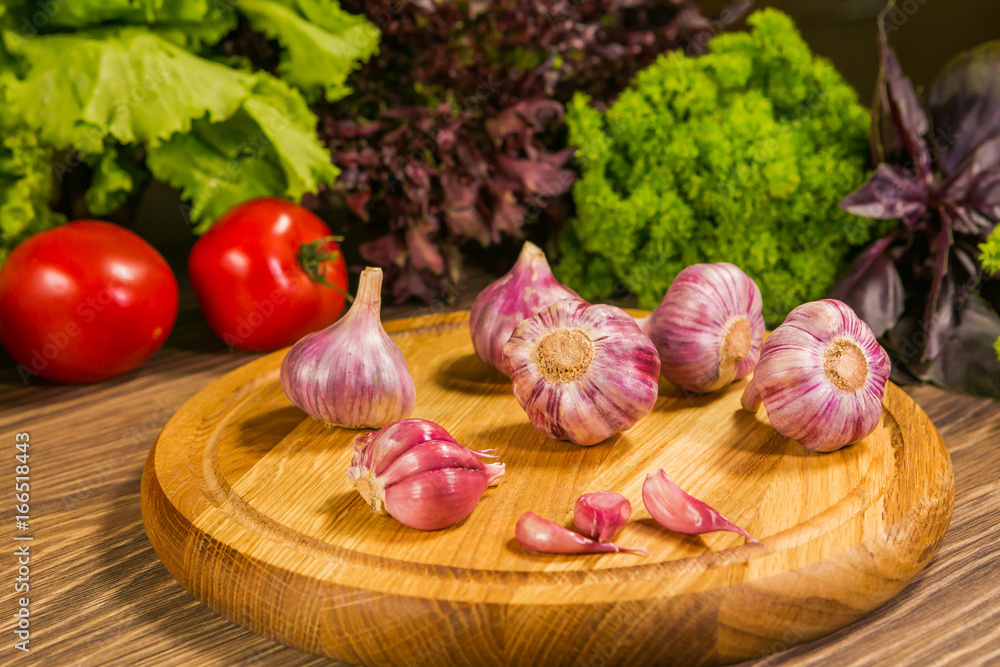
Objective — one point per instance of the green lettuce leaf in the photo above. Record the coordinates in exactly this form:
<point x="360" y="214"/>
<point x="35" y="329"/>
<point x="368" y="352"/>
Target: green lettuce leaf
<point x="114" y="178"/>
<point x="25" y="188"/>
<point x="322" y="43"/>
<point x="269" y="148"/>
<point x="129" y="84"/>
<point x="203" y="21"/>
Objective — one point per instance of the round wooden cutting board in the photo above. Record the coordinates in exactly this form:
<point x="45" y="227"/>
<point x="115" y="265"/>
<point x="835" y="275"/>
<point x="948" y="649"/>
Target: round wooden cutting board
<point x="245" y="500"/>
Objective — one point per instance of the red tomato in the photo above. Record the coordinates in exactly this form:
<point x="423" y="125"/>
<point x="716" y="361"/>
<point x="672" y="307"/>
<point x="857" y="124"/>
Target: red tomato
<point x="256" y="275"/>
<point x="84" y="302"/>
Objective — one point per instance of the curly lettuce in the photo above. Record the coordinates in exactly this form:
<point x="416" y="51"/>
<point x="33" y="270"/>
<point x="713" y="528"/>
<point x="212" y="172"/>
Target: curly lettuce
<point x="138" y="88"/>
<point x="26" y="186"/>
<point x="739" y="155"/>
<point x="268" y="148"/>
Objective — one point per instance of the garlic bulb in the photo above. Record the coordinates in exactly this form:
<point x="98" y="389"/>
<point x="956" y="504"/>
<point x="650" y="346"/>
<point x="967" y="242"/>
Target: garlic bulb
<point x="708" y="328"/>
<point x="821" y="377"/>
<point x="538" y="534"/>
<point x="600" y="515"/>
<point x="414" y="470"/>
<point x="505" y="303"/>
<point x="351" y="373"/>
<point x="582" y="373"/>
<point x="675" y="509"/>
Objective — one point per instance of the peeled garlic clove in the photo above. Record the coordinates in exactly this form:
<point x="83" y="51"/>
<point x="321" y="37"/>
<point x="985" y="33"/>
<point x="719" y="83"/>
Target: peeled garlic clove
<point x="600" y="515"/>
<point x="505" y="303"/>
<point x="351" y="373"/>
<point x="673" y="508"/>
<point x="708" y="328"/>
<point x="821" y="377"/>
<point x="538" y="534"/>
<point x="582" y="373"/>
<point x="418" y="474"/>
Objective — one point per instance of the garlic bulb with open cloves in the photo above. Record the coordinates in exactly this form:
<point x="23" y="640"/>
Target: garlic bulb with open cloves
<point x="509" y="300"/>
<point x="601" y="514"/>
<point x="416" y="471"/>
<point x="351" y="373"/>
<point x="538" y="534"/>
<point x="582" y="373"/>
<point x="821" y="377"/>
<point x="708" y="328"/>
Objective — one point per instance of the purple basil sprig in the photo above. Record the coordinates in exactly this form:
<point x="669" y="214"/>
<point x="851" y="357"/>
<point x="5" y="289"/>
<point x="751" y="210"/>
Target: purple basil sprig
<point x="938" y="174"/>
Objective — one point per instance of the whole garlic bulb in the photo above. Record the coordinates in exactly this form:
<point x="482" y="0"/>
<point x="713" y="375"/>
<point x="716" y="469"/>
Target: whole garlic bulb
<point x="582" y="373"/>
<point x="351" y="373"/>
<point x="821" y="377"/>
<point x="708" y="328"/>
<point x="506" y="302"/>
<point x="414" y="470"/>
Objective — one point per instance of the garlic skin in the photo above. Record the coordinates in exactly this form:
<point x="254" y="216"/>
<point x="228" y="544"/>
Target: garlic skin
<point x="538" y="534"/>
<point x="582" y="373"/>
<point x="675" y="509"/>
<point x="351" y="374"/>
<point x="821" y="377"/>
<point x="708" y="328"/>
<point x="509" y="300"/>
<point x="417" y="473"/>
<point x="601" y="515"/>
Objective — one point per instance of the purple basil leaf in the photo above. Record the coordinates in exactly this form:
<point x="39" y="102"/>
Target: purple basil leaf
<point x="975" y="184"/>
<point x="906" y="115"/>
<point x="939" y="314"/>
<point x="889" y="193"/>
<point x="964" y="104"/>
<point x="967" y="362"/>
<point x="873" y="288"/>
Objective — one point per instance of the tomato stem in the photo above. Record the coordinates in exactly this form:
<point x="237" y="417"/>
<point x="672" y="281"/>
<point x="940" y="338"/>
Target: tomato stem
<point x="312" y="256"/>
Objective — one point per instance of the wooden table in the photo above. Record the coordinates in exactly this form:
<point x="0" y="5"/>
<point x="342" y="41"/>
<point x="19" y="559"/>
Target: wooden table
<point x="99" y="595"/>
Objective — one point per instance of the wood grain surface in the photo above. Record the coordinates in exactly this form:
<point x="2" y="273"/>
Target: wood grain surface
<point x="100" y="596"/>
<point x="245" y="501"/>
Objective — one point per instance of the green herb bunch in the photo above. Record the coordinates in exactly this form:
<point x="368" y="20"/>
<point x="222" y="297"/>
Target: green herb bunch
<point x="990" y="260"/>
<point x="738" y="155"/>
<point x="133" y="89"/>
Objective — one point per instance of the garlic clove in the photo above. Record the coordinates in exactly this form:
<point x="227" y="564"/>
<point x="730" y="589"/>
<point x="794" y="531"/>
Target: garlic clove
<point x="430" y="455"/>
<point x="351" y="374"/>
<point x="601" y="514"/>
<point x="582" y="373"/>
<point x="435" y="499"/>
<point x="527" y="288"/>
<point x="708" y="328"/>
<point x="379" y="448"/>
<point x="821" y="377"/>
<point x="538" y="534"/>
<point x="673" y="508"/>
<point x="414" y="470"/>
